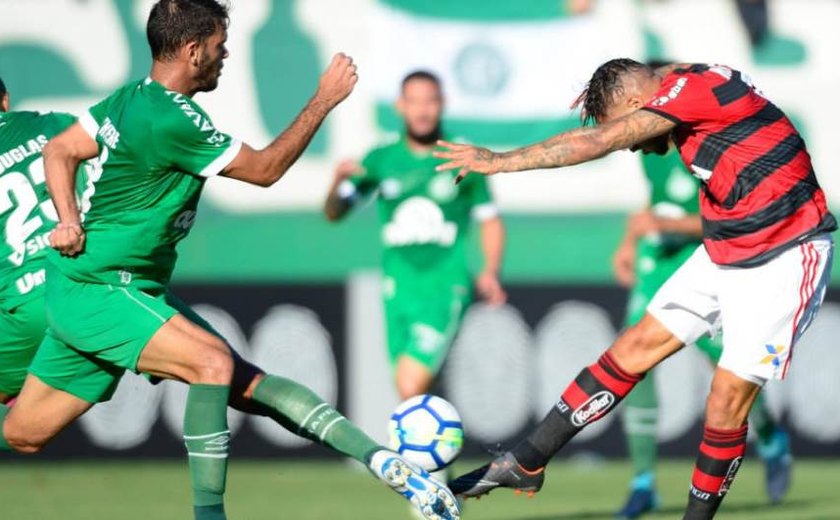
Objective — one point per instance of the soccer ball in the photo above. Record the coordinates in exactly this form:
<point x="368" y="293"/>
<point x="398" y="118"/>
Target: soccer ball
<point x="427" y="431"/>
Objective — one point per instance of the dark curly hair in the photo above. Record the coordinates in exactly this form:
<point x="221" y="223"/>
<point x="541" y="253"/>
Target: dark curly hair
<point x="604" y="86"/>
<point x="172" y="23"/>
<point x="2" y="88"/>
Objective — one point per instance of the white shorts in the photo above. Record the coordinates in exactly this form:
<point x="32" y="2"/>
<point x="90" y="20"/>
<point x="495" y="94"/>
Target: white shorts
<point x="762" y="311"/>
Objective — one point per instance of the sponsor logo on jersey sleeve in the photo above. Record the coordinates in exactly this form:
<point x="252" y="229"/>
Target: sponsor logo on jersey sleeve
<point x="672" y="94"/>
<point x="109" y="133"/>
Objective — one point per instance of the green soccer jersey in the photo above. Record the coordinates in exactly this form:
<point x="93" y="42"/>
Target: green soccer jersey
<point x="157" y="147"/>
<point x="425" y="217"/>
<point x="27" y="214"/>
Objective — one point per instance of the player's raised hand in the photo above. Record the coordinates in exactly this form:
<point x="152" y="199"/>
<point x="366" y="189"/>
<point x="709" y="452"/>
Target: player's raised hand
<point x="348" y="168"/>
<point x="68" y="238"/>
<point x="338" y="80"/>
<point x="466" y="158"/>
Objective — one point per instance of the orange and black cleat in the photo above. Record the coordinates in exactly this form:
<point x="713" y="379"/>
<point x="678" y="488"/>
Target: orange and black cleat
<point x="503" y="471"/>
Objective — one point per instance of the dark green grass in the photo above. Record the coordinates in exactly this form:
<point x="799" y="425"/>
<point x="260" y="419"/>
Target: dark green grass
<point x="302" y="490"/>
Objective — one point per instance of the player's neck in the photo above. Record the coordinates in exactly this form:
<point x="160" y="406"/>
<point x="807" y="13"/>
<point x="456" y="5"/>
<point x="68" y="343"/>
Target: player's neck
<point x="418" y="147"/>
<point x="172" y="78"/>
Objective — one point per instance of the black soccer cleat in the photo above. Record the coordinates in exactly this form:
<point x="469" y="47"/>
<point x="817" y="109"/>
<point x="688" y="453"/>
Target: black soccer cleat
<point x="503" y="471"/>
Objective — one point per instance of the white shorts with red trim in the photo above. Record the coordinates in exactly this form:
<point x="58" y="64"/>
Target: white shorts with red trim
<point x="762" y="311"/>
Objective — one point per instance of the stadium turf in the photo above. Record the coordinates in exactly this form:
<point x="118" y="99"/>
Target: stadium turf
<point x="336" y="491"/>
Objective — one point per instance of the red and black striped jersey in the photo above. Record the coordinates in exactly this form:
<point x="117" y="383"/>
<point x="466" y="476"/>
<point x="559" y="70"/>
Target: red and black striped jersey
<point x="759" y="194"/>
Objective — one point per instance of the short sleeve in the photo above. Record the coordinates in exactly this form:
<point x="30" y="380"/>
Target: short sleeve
<point x="92" y="119"/>
<point x="481" y="200"/>
<point x="361" y="185"/>
<point x="190" y="142"/>
<point x="683" y="98"/>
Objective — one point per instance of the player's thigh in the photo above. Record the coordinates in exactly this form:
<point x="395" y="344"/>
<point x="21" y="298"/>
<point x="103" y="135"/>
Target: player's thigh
<point x="766" y="309"/>
<point x="112" y="324"/>
<point x="687" y="304"/>
<point x="64" y="368"/>
<point x="40" y="412"/>
<point x="433" y="323"/>
<point x="183" y="351"/>
<point x="22" y="329"/>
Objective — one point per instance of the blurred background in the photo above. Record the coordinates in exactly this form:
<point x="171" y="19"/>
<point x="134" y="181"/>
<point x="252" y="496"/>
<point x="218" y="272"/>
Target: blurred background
<point x="302" y="297"/>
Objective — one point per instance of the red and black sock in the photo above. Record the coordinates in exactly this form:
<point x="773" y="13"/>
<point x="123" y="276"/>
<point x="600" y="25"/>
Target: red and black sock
<point x="595" y="391"/>
<point x="720" y="457"/>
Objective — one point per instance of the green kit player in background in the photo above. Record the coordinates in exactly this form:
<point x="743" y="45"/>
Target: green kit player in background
<point x="27" y="216"/>
<point x="425" y="221"/>
<point x="657" y="242"/>
<point x="109" y="308"/>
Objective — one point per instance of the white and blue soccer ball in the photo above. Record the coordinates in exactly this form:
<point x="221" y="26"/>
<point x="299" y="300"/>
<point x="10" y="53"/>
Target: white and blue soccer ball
<point x="426" y="430"/>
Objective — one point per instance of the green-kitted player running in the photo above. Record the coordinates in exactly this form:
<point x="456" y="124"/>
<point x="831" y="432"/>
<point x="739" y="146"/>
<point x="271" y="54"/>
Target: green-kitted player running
<point x="27" y="216"/>
<point x="108" y="304"/>
<point x="425" y="221"/>
<point x="658" y="241"/>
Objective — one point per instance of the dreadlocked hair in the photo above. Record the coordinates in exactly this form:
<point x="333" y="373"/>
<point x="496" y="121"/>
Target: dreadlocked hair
<point x="603" y="87"/>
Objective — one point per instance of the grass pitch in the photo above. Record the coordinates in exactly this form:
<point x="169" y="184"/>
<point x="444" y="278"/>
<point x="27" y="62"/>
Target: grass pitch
<point x="303" y="490"/>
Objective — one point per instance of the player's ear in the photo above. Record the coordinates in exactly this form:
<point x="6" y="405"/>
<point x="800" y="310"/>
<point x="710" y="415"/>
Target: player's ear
<point x="5" y="102"/>
<point x="192" y="52"/>
<point x="400" y="105"/>
<point x="635" y="102"/>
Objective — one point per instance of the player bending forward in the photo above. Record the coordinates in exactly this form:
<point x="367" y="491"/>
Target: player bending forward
<point x="109" y="308"/>
<point x="425" y="225"/>
<point x="760" y="275"/>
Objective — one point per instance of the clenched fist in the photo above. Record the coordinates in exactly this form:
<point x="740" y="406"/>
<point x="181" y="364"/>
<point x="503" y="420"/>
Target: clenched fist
<point x="68" y="238"/>
<point x="338" y="80"/>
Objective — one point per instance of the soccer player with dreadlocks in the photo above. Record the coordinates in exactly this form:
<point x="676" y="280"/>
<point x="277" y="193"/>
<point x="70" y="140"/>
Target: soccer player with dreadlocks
<point x="759" y="277"/>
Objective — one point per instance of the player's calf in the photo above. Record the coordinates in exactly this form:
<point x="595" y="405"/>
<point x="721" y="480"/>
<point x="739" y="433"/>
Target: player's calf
<point x="724" y="443"/>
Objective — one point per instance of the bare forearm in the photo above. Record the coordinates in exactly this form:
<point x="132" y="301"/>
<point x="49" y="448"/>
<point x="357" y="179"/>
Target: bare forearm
<point x="493" y="244"/>
<point x="566" y="149"/>
<point x="585" y="144"/>
<point x="289" y="145"/>
<point x="60" y="172"/>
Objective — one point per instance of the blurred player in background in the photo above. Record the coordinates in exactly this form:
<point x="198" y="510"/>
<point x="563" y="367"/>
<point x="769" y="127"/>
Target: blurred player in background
<point x="658" y="240"/>
<point x="760" y="276"/>
<point x="425" y="223"/>
<point x="109" y="306"/>
<point x="27" y="215"/>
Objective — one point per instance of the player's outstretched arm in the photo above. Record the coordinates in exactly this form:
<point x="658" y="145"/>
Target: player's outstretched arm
<point x="265" y="167"/>
<point x="573" y="147"/>
<point x="62" y="156"/>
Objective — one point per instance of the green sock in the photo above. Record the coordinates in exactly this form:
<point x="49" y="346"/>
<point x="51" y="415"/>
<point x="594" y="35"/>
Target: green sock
<point x="4" y="446"/>
<point x="761" y="421"/>
<point x="640" y="418"/>
<point x="300" y="411"/>
<point x="206" y="436"/>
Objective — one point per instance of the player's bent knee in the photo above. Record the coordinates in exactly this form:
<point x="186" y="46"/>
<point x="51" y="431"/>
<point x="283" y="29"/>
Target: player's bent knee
<point x="214" y="368"/>
<point x="409" y="387"/>
<point x="724" y="406"/>
<point x="23" y="441"/>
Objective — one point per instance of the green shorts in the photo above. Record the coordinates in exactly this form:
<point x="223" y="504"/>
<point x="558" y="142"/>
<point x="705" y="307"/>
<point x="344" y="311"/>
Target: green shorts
<point x="96" y="332"/>
<point x="421" y="324"/>
<point x="21" y="331"/>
